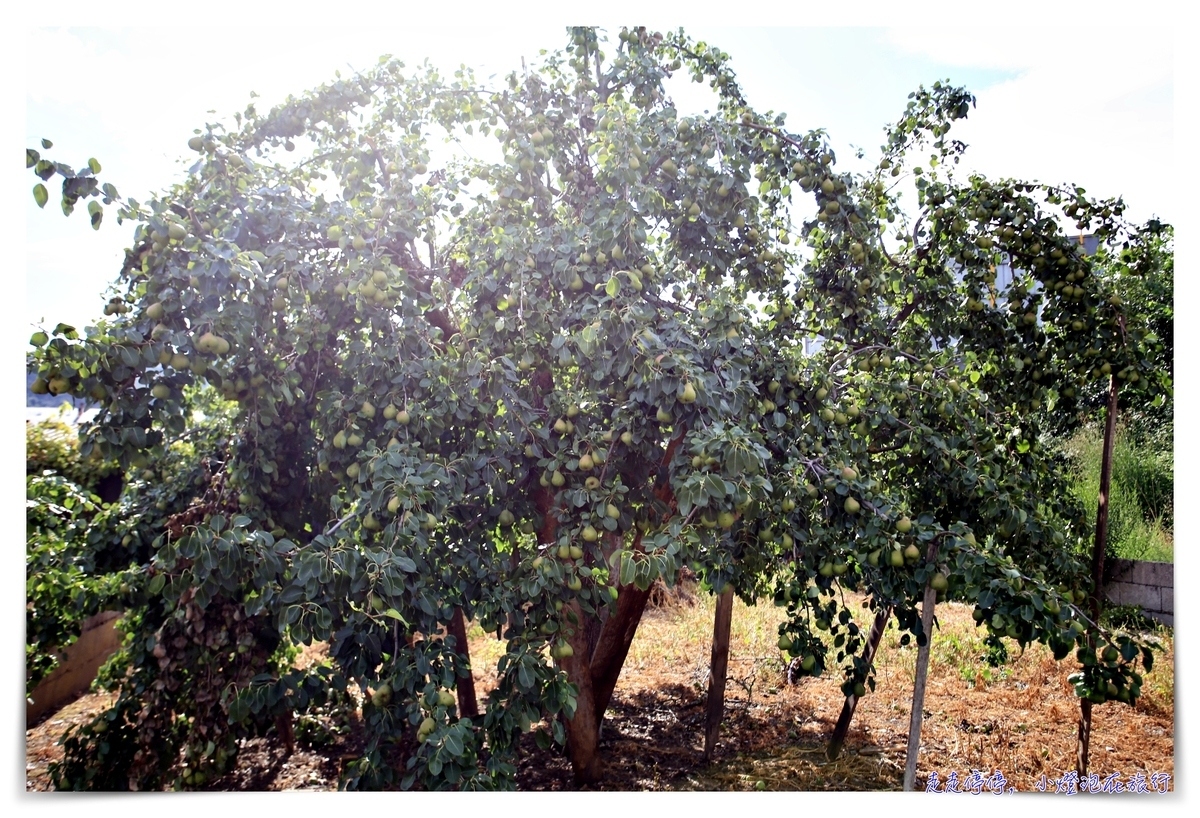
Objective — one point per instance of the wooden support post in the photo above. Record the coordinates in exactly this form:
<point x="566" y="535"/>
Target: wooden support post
<point x="843" y="724"/>
<point x="1096" y="601"/>
<point x="918" y="705"/>
<point x="718" y="666"/>
<point x="1083" y="738"/>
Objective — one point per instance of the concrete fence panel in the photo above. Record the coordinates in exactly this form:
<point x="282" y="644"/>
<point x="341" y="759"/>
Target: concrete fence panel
<point x="1148" y="585"/>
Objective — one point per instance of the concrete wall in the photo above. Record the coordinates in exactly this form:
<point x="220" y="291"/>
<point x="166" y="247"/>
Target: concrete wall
<point x="77" y="667"/>
<point x="1148" y="585"/>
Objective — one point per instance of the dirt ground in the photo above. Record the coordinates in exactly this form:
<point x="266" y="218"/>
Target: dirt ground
<point x="1019" y="719"/>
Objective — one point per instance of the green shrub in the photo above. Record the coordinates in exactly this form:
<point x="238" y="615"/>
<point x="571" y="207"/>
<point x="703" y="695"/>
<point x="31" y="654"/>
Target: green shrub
<point x="53" y="445"/>
<point x="81" y="553"/>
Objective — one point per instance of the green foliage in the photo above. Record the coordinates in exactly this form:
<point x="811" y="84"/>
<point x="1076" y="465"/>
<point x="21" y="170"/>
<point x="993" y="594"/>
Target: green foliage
<point x="1128" y="617"/>
<point x="84" y="556"/>
<point x="525" y="389"/>
<point x="72" y="566"/>
<point x="1147" y="473"/>
<point x="1141" y="273"/>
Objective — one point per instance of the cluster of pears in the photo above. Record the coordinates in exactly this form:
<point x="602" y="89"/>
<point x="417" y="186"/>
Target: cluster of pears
<point x="116" y="306"/>
<point x="429" y="723"/>
<point x="175" y="232"/>
<point x="375" y="287"/>
<point x="56" y="384"/>
<point x="805" y="648"/>
<point x="211" y="343"/>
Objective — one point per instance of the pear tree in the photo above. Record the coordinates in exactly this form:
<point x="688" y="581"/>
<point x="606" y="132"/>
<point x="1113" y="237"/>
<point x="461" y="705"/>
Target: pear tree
<point x="511" y="353"/>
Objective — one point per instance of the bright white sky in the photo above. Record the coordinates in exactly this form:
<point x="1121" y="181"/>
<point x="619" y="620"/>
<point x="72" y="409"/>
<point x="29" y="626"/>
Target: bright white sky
<point x="1058" y="100"/>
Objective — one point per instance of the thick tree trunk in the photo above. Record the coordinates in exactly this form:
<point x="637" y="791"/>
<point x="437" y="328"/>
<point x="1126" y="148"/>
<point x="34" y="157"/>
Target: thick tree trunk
<point x="616" y="634"/>
<point x="467" y="703"/>
<point x="583" y="734"/>
<point x="615" y="638"/>
<point x="718" y="666"/>
<point x="918" y="704"/>
<point x="1096" y="601"/>
<point x="851" y="704"/>
<point x="583" y="728"/>
<point x="603" y="659"/>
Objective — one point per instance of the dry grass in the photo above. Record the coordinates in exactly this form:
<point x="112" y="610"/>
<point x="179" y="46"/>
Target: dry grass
<point x="1020" y="718"/>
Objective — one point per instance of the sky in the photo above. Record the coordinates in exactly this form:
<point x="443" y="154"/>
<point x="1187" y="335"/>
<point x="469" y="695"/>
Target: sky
<point x="1097" y="93"/>
<point x="1113" y="134"/>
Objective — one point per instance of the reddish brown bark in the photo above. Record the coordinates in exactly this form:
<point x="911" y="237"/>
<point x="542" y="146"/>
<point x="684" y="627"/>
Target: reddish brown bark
<point x="594" y="672"/>
<point x="615" y="638"/>
<point x="285" y="728"/>
<point x="583" y="728"/>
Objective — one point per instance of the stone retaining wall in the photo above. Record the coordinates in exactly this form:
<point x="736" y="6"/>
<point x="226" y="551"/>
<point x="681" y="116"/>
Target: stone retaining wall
<point x="1148" y="585"/>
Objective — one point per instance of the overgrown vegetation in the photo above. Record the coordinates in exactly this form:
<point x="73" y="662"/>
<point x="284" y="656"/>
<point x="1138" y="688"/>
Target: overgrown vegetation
<point x="53" y="445"/>
<point x="1141" y="505"/>
<point x="85" y="554"/>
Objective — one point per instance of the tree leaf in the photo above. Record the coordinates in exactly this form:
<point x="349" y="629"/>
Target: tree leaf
<point x="628" y="568"/>
<point x="392" y="613"/>
<point x="40" y="194"/>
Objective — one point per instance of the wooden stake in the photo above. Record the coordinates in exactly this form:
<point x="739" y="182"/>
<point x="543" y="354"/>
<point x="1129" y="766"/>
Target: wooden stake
<point x="918" y="705"/>
<point x="718" y="665"/>
<point x="1096" y="601"/>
